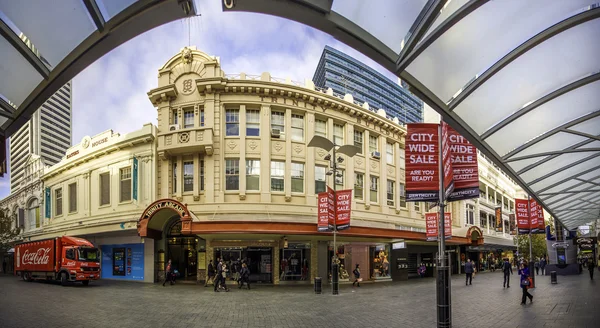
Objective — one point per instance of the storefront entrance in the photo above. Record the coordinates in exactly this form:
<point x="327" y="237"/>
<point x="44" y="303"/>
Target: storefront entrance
<point x="181" y="250"/>
<point x="258" y="259"/>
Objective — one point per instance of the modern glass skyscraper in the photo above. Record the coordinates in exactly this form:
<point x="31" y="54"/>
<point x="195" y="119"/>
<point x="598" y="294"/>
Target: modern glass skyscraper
<point x="344" y="74"/>
<point x="47" y="134"/>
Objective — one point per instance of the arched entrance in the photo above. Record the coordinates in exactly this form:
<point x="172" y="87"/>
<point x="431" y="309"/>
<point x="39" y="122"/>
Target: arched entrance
<point x="166" y="222"/>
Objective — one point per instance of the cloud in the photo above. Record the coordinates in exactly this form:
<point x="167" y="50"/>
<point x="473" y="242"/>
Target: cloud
<point x="111" y="93"/>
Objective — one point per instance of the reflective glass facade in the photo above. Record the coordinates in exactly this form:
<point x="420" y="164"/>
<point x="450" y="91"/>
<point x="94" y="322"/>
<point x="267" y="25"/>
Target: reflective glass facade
<point x="345" y="74"/>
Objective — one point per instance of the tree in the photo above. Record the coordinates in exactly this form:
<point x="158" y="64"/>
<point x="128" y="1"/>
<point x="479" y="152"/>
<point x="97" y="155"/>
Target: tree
<point x="538" y="245"/>
<point x="8" y="233"/>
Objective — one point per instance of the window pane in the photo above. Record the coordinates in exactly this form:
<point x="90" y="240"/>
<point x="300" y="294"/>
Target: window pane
<point x="58" y="201"/>
<point x="104" y="189"/>
<point x="321" y="128"/>
<point x="188" y="118"/>
<point x="297" y="177"/>
<point x="278" y="121"/>
<point x="339" y="180"/>
<point x="277" y="176"/>
<point x="389" y="153"/>
<point x="232" y="122"/>
<point x="320" y="183"/>
<point x="201" y="163"/>
<point x="358" y="140"/>
<point x="402" y="194"/>
<point x="390" y="193"/>
<point x="125" y="185"/>
<point x="373" y="189"/>
<point x="232" y="174"/>
<point x="373" y="146"/>
<point x="358" y="185"/>
<point x="188" y="176"/>
<point x="338" y="134"/>
<point x="252" y="123"/>
<point x="175" y="116"/>
<point x="252" y="174"/>
<point x="73" y="197"/>
<point x="297" y="127"/>
<point x="202" y="117"/>
<point x="174" y="177"/>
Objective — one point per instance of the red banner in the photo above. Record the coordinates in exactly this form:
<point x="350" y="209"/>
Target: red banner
<point x="422" y="168"/>
<point x="541" y="222"/>
<point x="431" y="223"/>
<point x="323" y="216"/>
<point x="331" y="208"/>
<point x="533" y="213"/>
<point x="447" y="161"/>
<point x="344" y="204"/>
<point x="464" y="165"/>
<point x="523" y="219"/>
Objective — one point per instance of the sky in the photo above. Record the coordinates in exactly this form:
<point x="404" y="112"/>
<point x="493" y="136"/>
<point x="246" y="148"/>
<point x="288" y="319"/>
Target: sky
<point x="112" y="92"/>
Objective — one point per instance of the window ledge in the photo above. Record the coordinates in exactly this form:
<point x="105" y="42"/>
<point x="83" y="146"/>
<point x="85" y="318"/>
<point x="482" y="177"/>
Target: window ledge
<point x="104" y="206"/>
<point x="126" y="202"/>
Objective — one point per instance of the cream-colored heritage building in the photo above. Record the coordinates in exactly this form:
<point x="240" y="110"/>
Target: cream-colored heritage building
<point x="227" y="173"/>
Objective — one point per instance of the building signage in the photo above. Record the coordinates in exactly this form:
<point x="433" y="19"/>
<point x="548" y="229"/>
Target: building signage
<point x="343" y="208"/>
<point x="526" y="220"/>
<point x="399" y="245"/>
<point x="533" y="213"/>
<point x="422" y="167"/>
<point x="464" y="166"/>
<point x="513" y="224"/>
<point x="499" y="223"/>
<point x="323" y="215"/>
<point x="431" y="223"/>
<point x="164" y="204"/>
<point x="540" y="217"/>
<point x="48" y="203"/>
<point x="586" y="242"/>
<point x="135" y="178"/>
<point x="447" y="161"/>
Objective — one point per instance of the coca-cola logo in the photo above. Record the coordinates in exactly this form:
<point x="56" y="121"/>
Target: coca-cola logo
<point x="39" y="257"/>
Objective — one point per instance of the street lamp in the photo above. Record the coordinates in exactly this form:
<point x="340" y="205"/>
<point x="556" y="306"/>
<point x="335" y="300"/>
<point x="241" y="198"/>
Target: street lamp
<point x="350" y="151"/>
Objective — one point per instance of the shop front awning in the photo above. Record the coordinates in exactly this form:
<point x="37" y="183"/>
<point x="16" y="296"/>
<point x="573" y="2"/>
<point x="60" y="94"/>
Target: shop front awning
<point x="519" y="79"/>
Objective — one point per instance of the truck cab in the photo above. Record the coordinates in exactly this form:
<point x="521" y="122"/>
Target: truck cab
<point x="80" y="263"/>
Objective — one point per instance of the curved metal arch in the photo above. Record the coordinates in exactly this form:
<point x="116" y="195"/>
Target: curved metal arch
<point x="572" y="149"/>
<point x="575" y="20"/>
<point x="546" y="176"/>
<point x="569" y="178"/>
<point x="141" y="16"/>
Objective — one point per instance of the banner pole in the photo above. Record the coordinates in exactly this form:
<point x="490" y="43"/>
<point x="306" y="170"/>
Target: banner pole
<point x="334" y="265"/>
<point x="530" y="264"/>
<point x="443" y="276"/>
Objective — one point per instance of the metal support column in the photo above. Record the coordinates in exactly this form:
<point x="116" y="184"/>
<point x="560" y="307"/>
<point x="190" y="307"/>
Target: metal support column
<point x="444" y="318"/>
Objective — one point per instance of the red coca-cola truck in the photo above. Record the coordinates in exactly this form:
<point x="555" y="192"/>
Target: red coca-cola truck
<point x="63" y="258"/>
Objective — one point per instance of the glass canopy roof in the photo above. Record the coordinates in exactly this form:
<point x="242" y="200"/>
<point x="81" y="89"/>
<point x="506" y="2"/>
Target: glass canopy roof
<point x="520" y="79"/>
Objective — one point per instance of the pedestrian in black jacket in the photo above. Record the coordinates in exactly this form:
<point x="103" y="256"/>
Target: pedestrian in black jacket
<point x="210" y="274"/>
<point x="219" y="275"/>
<point x="469" y="271"/>
<point x="507" y="268"/>
<point x="591" y="266"/>
<point x="244" y="276"/>
<point x="357" y="278"/>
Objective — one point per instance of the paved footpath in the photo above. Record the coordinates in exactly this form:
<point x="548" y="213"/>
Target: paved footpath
<point x="573" y="302"/>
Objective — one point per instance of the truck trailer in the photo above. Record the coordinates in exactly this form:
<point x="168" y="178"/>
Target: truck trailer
<point x="66" y="259"/>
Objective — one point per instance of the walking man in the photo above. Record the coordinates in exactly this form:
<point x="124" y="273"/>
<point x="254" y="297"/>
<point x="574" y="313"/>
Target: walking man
<point x="543" y="265"/>
<point x="210" y="274"/>
<point x="591" y="266"/>
<point x="469" y="272"/>
<point x="244" y="276"/>
<point x="219" y="275"/>
<point x="507" y="268"/>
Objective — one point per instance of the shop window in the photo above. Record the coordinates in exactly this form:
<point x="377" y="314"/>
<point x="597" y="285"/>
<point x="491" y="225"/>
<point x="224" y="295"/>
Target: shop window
<point x="390" y="193"/>
<point x="373" y="145"/>
<point x="295" y="261"/>
<point x="338" y="134"/>
<point x="278" y="121"/>
<point x="252" y="123"/>
<point x="252" y="174"/>
<point x="339" y="179"/>
<point x="373" y="189"/>
<point x="175" y="120"/>
<point x="188" y="176"/>
<point x="358" y="185"/>
<point x="381" y="264"/>
<point x="232" y="122"/>
<point x="389" y="153"/>
<point x="358" y="140"/>
<point x="73" y="197"/>
<point x="297" y="177"/>
<point x="277" y="176"/>
<point x="125" y="184"/>
<point x="188" y="118"/>
<point x="104" y="188"/>
<point x="58" y="202"/>
<point x="321" y="128"/>
<point x="402" y="194"/>
<point x="297" y="128"/>
<point x="201" y="164"/>
<point x="174" y="177"/>
<point x="232" y="174"/>
<point x="320" y="181"/>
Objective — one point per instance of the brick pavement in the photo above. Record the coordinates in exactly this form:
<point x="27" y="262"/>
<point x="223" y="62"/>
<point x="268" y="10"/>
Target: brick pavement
<point x="574" y="302"/>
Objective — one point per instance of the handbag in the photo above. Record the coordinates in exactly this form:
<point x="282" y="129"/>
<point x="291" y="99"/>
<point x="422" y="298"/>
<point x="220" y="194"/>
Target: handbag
<point x="525" y="282"/>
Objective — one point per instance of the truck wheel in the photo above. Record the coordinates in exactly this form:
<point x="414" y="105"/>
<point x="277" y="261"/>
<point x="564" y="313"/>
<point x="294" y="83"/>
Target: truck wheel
<point x="63" y="279"/>
<point x="27" y="276"/>
<point x="86" y="282"/>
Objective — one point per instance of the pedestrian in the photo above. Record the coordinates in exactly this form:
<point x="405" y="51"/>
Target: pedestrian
<point x="469" y="271"/>
<point x="591" y="266"/>
<point x="525" y="283"/>
<point x="210" y="274"/>
<point x="507" y="268"/>
<point x="543" y="265"/>
<point x="536" y="264"/>
<point x="244" y="276"/>
<point x="168" y="274"/>
<point x="224" y="271"/>
<point x="422" y="270"/>
<point x="357" y="278"/>
<point x="219" y="275"/>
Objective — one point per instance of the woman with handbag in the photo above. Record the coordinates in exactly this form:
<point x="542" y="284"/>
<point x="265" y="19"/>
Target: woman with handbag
<point x="525" y="283"/>
<point x="357" y="278"/>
